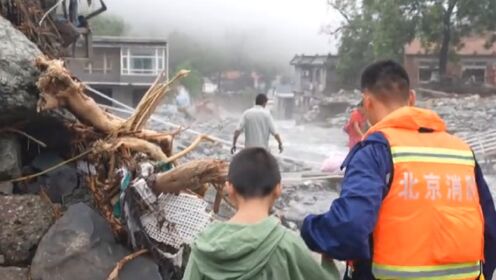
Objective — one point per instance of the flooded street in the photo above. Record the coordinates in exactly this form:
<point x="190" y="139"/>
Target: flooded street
<point x="309" y="142"/>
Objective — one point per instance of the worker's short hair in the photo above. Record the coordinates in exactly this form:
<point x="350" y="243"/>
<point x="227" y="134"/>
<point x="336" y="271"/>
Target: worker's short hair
<point x="261" y="99"/>
<point x="387" y="80"/>
<point x="254" y="173"/>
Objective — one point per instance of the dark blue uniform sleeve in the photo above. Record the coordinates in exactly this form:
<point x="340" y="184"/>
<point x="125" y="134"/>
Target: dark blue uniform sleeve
<point x="344" y="231"/>
<point x="489" y="212"/>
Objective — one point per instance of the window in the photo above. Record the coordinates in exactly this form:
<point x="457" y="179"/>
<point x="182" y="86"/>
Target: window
<point x="474" y="72"/>
<point x="99" y="66"/>
<point x="427" y="71"/>
<point x="142" y="61"/>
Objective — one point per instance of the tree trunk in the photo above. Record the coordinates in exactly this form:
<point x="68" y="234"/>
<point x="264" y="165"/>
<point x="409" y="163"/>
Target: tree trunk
<point x="445" y="44"/>
<point x="191" y="175"/>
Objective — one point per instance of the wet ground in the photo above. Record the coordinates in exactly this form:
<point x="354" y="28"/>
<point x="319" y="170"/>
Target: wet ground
<point x="308" y="143"/>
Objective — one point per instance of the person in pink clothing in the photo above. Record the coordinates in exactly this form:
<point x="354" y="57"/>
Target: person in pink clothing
<point x="356" y="126"/>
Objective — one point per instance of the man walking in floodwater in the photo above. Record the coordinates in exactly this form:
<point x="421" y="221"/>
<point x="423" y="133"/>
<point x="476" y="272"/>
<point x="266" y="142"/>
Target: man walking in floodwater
<point x="414" y="203"/>
<point x="258" y="125"/>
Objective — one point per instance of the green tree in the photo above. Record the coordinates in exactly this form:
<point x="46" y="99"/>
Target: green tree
<point x="373" y="29"/>
<point x="444" y="22"/>
<point x="376" y="29"/>
<point x="108" y="25"/>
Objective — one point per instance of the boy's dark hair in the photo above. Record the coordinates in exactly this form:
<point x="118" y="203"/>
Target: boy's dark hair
<point x="261" y="99"/>
<point x="387" y="80"/>
<point x="254" y="173"/>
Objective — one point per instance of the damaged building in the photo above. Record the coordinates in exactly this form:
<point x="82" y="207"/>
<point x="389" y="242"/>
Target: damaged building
<point x="314" y="74"/>
<point x="474" y="63"/>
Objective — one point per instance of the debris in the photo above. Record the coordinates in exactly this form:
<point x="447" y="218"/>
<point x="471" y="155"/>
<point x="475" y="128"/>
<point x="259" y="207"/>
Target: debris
<point x="114" y="275"/>
<point x="10" y="129"/>
<point x="192" y="175"/>
<point x="50" y="168"/>
<point x="27" y="15"/>
<point x="124" y="155"/>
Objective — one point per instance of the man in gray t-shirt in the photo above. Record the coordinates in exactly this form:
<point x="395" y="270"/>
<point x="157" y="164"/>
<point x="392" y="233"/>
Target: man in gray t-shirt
<point x="258" y="125"/>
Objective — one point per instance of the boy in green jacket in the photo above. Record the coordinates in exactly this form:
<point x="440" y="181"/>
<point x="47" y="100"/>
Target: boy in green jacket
<point x="253" y="245"/>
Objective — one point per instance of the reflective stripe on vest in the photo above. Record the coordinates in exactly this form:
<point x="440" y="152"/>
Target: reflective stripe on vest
<point x="402" y="154"/>
<point x="453" y="271"/>
<point x="430" y="224"/>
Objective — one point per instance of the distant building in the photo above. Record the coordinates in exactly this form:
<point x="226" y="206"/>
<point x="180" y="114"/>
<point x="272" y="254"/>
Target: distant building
<point x="236" y="81"/>
<point x="475" y="62"/>
<point x="314" y="74"/>
<point x="122" y="68"/>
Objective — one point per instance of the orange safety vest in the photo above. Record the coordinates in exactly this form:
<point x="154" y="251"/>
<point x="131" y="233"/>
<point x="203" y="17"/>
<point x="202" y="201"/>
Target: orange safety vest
<point x="430" y="224"/>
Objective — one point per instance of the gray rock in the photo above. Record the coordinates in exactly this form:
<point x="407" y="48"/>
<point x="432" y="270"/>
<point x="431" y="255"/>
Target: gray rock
<point x="10" y="157"/>
<point x="14" y="273"/>
<point x="140" y="268"/>
<point x="6" y="188"/>
<point x="18" y="93"/>
<point x="25" y="219"/>
<point x="58" y="183"/>
<point x="80" y="246"/>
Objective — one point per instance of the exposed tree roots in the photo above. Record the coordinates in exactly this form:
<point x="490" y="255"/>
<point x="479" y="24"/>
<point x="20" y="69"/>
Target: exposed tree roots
<point x="116" y="142"/>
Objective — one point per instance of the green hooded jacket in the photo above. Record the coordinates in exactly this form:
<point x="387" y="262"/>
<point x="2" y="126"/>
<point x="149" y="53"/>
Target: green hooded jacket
<point x="265" y="250"/>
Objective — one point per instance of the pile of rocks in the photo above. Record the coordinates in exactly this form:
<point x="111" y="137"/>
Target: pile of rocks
<point x="464" y="113"/>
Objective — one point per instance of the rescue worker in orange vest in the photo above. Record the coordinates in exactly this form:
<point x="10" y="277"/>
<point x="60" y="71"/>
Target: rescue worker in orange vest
<point x="414" y="203"/>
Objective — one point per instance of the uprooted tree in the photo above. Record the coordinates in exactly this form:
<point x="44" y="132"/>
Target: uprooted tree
<point x="108" y="143"/>
<point x="115" y="141"/>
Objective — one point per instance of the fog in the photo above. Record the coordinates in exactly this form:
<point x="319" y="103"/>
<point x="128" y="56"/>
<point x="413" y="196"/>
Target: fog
<point x="270" y="29"/>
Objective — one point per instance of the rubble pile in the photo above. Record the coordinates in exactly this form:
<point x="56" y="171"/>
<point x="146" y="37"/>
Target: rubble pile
<point x="332" y="111"/>
<point x="464" y="113"/>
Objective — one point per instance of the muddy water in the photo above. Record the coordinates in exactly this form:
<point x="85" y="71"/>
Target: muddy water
<point x="309" y="142"/>
<point x="313" y="145"/>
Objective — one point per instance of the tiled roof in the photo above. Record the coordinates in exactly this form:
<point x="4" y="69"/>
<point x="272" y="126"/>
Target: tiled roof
<point x="468" y="46"/>
<point x="310" y="59"/>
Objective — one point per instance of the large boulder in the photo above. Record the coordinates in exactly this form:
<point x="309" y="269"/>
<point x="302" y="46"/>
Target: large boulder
<point x="14" y="273"/>
<point x="80" y="246"/>
<point x="18" y="92"/>
<point x="24" y="219"/>
<point x="10" y="157"/>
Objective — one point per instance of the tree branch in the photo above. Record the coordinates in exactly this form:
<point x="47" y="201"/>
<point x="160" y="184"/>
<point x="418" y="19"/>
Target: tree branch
<point x="346" y="16"/>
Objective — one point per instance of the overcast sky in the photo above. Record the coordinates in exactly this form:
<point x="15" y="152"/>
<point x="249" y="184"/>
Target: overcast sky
<point x="278" y="27"/>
